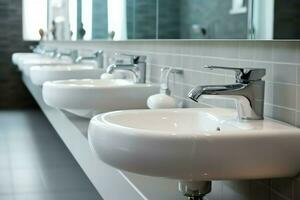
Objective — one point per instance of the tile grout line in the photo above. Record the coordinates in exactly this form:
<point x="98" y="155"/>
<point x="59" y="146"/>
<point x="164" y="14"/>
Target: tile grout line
<point x="225" y="75"/>
<point x="298" y="81"/>
<point x="210" y="57"/>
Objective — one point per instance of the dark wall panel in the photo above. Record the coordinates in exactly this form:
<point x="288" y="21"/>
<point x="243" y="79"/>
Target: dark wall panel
<point x="13" y="94"/>
<point x="287" y="19"/>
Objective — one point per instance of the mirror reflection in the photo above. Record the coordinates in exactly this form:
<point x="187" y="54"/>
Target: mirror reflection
<point x="169" y="19"/>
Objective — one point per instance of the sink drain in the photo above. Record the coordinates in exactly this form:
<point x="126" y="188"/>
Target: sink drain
<point x="194" y="190"/>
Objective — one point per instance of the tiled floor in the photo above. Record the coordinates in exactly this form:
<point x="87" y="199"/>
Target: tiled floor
<point x="34" y="162"/>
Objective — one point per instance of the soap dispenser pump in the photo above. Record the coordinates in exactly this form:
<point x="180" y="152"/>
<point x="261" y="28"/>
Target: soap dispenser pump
<point x="163" y="100"/>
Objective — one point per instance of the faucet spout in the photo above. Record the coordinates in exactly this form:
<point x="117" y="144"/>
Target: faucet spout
<point x="128" y="67"/>
<point x="248" y="92"/>
<point x="249" y="97"/>
<point x="198" y="91"/>
<point x="97" y="57"/>
<point x="137" y="66"/>
<point x="111" y="68"/>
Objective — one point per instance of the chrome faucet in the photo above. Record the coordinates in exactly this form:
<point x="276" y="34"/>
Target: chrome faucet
<point x="49" y="52"/>
<point x="73" y="54"/>
<point x="36" y="49"/>
<point x="137" y="66"/>
<point x="97" y="57"/>
<point x="248" y="91"/>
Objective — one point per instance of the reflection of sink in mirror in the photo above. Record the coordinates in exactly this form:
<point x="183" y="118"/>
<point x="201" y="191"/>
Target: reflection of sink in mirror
<point x="88" y="97"/>
<point x="43" y="73"/>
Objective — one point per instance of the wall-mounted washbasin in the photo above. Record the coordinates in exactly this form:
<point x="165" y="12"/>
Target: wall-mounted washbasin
<point x="17" y="57"/>
<point x="195" y="144"/>
<point x="88" y="97"/>
<point x="26" y="64"/>
<point x="43" y="73"/>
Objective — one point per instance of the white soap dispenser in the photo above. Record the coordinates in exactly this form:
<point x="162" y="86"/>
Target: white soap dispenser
<point x="163" y="100"/>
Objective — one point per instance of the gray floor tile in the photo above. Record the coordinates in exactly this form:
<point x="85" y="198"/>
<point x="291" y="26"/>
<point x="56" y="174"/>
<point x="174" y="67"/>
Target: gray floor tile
<point x="27" y="181"/>
<point x="23" y="160"/>
<point x="62" y="179"/>
<point x="74" y="195"/>
<point x="4" y="160"/>
<point x="31" y="196"/>
<point x="34" y="162"/>
<point x="7" y="197"/>
<point x="6" y="183"/>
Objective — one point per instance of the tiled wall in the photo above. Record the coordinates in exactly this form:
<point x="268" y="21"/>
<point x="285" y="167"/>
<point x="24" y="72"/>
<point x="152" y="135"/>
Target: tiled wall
<point x="281" y="60"/>
<point x="169" y="19"/>
<point x="99" y="21"/>
<point x="13" y="93"/>
<point x="143" y="22"/>
<point x="141" y="19"/>
<point x="214" y="17"/>
<point x="184" y="19"/>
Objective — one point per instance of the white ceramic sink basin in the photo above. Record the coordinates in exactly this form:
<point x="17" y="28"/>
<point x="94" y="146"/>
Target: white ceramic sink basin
<point x="195" y="144"/>
<point x="88" y="97"/>
<point x="26" y="64"/>
<point x="19" y="57"/>
<point x="42" y="73"/>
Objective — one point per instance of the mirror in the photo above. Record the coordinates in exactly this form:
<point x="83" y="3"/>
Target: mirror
<point x="34" y="22"/>
<point x="172" y="19"/>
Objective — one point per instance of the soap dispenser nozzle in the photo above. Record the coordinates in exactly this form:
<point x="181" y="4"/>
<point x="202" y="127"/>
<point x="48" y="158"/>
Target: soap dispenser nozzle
<point x="164" y="79"/>
<point x="163" y="100"/>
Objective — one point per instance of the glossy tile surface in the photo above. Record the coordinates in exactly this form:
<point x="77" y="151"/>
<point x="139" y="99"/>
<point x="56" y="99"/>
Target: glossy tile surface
<point x="34" y="162"/>
<point x="281" y="59"/>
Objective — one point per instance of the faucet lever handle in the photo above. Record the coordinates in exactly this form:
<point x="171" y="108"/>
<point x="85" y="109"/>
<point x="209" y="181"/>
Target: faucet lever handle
<point x="98" y="53"/>
<point x="244" y="74"/>
<point x="135" y="58"/>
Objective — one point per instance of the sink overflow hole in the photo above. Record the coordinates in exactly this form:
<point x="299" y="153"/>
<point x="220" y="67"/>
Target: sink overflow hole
<point x="218" y="129"/>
